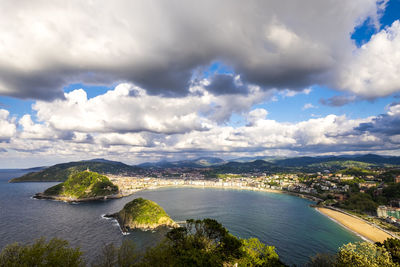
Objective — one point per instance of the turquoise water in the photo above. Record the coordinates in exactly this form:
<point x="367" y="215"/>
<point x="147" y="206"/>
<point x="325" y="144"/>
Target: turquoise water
<point x="286" y="222"/>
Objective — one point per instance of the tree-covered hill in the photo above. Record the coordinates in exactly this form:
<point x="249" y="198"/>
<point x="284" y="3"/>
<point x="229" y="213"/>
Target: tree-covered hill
<point x="274" y="164"/>
<point x="61" y="172"/>
<point x="190" y="163"/>
<point x="143" y="214"/>
<point x="84" y="184"/>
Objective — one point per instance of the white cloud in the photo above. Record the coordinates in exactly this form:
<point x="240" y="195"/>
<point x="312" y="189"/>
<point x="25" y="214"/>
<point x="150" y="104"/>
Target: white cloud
<point x="130" y="139"/>
<point x="125" y="109"/>
<point x="291" y="93"/>
<point x="128" y="108"/>
<point x="33" y="130"/>
<point x="308" y="106"/>
<point x="78" y="127"/>
<point x="256" y="115"/>
<point x="328" y="134"/>
<point x="373" y="70"/>
<point x="7" y="125"/>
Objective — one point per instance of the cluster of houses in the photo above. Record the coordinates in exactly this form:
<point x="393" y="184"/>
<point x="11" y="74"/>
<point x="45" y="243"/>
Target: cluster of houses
<point x="316" y="185"/>
<point x="390" y="214"/>
<point x="289" y="182"/>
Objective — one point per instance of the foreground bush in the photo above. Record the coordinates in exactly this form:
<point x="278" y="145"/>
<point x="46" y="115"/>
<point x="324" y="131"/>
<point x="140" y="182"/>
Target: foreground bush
<point x="392" y="245"/>
<point x="56" y="252"/>
<point x="364" y="254"/>
<point x="200" y="243"/>
<point x="361" y="254"/>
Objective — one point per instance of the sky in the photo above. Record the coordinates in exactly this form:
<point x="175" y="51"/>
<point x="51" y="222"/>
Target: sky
<point x="138" y="81"/>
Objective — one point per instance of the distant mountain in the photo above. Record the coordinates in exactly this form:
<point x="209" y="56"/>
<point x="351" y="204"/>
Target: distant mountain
<point x="249" y="159"/>
<point x="194" y="163"/>
<point x="23" y="170"/>
<point x="304" y="161"/>
<point x="376" y="159"/>
<point x="245" y="167"/>
<point x="307" y="164"/>
<point x="35" y="169"/>
<point x="369" y="158"/>
<point x="159" y="164"/>
<point x="60" y="172"/>
<point x="208" y="161"/>
<point x="103" y="161"/>
<point x="277" y="164"/>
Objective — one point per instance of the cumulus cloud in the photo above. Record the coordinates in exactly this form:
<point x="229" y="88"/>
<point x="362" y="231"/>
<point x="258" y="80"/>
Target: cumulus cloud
<point x="7" y="125"/>
<point x="373" y="70"/>
<point x="160" y="46"/>
<point x="256" y="115"/>
<point x="328" y="134"/>
<point x="260" y="135"/>
<point x="387" y="124"/>
<point x="130" y="109"/>
<point x="126" y="108"/>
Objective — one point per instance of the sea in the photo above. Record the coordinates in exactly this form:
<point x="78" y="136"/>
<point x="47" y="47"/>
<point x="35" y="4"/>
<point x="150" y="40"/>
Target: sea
<point x="287" y="222"/>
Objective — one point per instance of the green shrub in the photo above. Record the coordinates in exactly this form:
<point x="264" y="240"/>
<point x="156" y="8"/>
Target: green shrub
<point x="56" y="252"/>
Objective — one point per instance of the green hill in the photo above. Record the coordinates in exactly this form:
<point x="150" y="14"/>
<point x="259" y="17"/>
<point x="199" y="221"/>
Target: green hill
<point x="143" y="214"/>
<point x="358" y="172"/>
<point x="83" y="185"/>
<point x="61" y="172"/>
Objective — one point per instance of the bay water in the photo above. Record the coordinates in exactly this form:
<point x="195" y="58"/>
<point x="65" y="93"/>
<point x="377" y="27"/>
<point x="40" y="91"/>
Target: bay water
<point x="286" y="222"/>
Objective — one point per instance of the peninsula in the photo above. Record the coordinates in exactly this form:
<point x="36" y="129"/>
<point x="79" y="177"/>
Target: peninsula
<point x="82" y="186"/>
<point x="142" y="214"/>
<point x="61" y="172"/>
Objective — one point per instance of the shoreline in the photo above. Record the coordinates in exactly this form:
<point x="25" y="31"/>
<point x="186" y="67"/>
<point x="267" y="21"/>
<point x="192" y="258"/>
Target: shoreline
<point x="268" y="190"/>
<point x="356" y="225"/>
<point x="74" y="200"/>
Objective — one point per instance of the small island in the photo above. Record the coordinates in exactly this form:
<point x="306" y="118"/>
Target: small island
<point x="142" y="214"/>
<point x="82" y="186"/>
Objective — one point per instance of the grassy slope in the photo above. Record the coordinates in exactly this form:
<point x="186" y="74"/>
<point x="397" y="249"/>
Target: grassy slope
<point x="358" y="172"/>
<point x="83" y="185"/>
<point x="143" y="211"/>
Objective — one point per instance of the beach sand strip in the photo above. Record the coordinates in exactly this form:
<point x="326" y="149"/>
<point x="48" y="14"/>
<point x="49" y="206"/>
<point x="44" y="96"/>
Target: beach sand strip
<point x="358" y="226"/>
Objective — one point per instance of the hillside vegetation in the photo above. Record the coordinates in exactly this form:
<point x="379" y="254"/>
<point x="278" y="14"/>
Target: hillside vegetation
<point x="144" y="214"/>
<point x="214" y="166"/>
<point x="200" y="243"/>
<point x="357" y="172"/>
<point x="61" y="172"/>
<point x="84" y="184"/>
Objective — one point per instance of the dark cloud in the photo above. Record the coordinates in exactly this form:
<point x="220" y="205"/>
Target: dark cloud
<point x="383" y="124"/>
<point x="387" y="124"/>
<point x="159" y="45"/>
<point x="338" y="101"/>
<point x="32" y="85"/>
<point x="225" y="84"/>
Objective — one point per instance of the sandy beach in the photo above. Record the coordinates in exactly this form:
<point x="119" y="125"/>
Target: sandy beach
<point x="356" y="225"/>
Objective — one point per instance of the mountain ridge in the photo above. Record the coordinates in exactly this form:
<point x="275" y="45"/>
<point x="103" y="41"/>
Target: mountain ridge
<point x="60" y="172"/>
